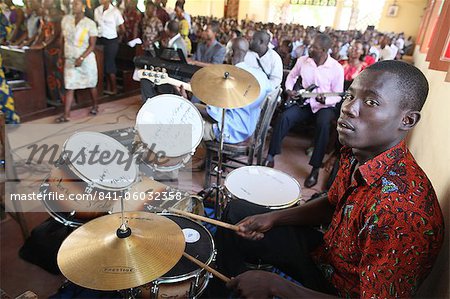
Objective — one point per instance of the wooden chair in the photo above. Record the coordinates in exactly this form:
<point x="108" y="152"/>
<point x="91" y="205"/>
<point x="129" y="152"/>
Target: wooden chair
<point x="244" y="153"/>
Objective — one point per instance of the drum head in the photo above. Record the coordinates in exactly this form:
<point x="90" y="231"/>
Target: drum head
<point x="263" y="186"/>
<point x="171" y="124"/>
<point x="101" y="160"/>
<point x="199" y="244"/>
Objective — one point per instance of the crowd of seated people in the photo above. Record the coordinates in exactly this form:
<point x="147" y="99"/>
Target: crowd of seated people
<point x="38" y="26"/>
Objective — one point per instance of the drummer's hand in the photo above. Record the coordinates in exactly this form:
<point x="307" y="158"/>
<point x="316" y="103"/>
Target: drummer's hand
<point x="321" y="99"/>
<point x="291" y="93"/>
<point x="254" y="227"/>
<point x="190" y="61"/>
<point x="253" y="284"/>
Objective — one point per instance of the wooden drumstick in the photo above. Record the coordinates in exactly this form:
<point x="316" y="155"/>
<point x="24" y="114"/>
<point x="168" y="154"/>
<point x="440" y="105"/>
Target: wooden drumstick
<point x="207" y="268"/>
<point x="205" y="219"/>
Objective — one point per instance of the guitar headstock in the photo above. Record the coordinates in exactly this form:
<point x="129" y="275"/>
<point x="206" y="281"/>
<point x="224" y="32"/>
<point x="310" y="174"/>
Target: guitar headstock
<point x="156" y="75"/>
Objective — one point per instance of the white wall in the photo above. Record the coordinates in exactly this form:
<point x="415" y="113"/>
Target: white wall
<point x="430" y="145"/>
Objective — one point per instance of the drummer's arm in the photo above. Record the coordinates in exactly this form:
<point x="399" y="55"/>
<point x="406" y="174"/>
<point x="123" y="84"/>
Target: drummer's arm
<point x="313" y="213"/>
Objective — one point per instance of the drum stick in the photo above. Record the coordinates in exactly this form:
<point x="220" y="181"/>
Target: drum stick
<point x="206" y="219"/>
<point x="207" y="268"/>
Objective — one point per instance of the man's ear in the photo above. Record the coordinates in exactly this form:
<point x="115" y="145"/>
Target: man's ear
<point x="410" y="119"/>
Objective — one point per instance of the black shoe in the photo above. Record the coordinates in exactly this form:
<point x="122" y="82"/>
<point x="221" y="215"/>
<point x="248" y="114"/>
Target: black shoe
<point x="311" y="180"/>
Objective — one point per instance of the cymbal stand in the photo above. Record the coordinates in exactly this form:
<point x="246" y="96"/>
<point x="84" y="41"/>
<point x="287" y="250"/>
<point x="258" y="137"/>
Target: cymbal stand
<point x="217" y="186"/>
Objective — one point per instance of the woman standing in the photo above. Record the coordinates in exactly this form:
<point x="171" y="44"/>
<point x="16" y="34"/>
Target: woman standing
<point x="49" y="39"/>
<point x="6" y="99"/>
<point x="152" y="28"/>
<point x="184" y="25"/>
<point x="80" y="68"/>
<point x="108" y="19"/>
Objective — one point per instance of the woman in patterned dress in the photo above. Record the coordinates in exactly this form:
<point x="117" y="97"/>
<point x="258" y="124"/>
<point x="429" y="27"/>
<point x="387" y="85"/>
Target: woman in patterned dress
<point x="49" y="40"/>
<point x="152" y="28"/>
<point x="7" y="100"/>
<point x="80" y="68"/>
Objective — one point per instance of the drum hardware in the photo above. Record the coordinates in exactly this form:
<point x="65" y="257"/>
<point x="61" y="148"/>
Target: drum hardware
<point x="208" y="268"/>
<point x="233" y="88"/>
<point x="73" y="176"/>
<point x="186" y="279"/>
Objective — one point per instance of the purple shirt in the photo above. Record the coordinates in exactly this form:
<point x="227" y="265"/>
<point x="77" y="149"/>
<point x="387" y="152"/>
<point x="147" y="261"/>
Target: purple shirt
<point x="328" y="76"/>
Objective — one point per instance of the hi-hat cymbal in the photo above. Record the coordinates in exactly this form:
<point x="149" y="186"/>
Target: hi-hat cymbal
<point x="225" y="86"/>
<point x="94" y="257"/>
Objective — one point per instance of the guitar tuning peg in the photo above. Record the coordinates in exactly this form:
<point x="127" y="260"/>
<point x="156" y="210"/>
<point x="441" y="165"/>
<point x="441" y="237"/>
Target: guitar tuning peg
<point x="151" y="68"/>
<point x="164" y="70"/>
<point x="145" y="66"/>
<point x="157" y="69"/>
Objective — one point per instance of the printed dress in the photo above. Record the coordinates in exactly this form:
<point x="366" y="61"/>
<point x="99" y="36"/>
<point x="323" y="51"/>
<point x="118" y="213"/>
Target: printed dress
<point x="76" y="41"/>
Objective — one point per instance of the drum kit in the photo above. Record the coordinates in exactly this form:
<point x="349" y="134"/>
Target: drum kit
<point x="127" y="248"/>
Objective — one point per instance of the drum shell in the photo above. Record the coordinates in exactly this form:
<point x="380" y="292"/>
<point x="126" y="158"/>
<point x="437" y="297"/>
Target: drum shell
<point x="150" y="158"/>
<point x="173" y="111"/>
<point x="73" y="212"/>
<point x="186" y="285"/>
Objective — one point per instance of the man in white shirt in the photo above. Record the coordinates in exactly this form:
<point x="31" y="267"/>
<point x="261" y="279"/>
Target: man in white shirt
<point x="386" y="52"/>
<point x="262" y="57"/>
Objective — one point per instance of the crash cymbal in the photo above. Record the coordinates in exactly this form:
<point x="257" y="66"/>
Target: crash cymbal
<point x="94" y="257"/>
<point x="225" y="86"/>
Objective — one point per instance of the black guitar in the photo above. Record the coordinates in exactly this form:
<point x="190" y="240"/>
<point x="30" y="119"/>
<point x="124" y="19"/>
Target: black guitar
<point x="306" y="93"/>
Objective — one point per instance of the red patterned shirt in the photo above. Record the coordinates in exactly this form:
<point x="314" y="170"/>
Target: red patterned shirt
<point x="387" y="228"/>
<point x="132" y="21"/>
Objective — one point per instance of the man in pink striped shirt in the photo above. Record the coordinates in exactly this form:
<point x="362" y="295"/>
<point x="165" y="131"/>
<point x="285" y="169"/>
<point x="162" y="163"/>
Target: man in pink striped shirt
<point x="321" y="69"/>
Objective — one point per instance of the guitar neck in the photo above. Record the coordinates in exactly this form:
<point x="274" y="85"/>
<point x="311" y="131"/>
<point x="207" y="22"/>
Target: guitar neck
<point x="159" y="78"/>
<point x="178" y="83"/>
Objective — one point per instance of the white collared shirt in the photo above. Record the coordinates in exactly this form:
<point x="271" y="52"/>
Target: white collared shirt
<point x="108" y="21"/>
<point x="172" y="40"/>
<point x="271" y="63"/>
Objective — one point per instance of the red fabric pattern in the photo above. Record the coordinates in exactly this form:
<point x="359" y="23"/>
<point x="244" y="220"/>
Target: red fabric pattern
<point x="387" y="227"/>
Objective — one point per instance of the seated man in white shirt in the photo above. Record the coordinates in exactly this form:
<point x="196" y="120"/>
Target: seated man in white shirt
<point x="262" y="57"/>
<point x="386" y="52"/>
<point x="240" y="123"/>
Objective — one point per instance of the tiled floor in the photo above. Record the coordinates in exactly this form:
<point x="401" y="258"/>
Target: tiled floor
<point x="18" y="276"/>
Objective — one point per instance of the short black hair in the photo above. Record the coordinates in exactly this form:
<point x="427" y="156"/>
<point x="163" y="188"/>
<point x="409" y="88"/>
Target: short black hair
<point x="180" y="4"/>
<point x="411" y="82"/>
<point x="215" y="26"/>
<point x="173" y="26"/>
<point x="324" y="40"/>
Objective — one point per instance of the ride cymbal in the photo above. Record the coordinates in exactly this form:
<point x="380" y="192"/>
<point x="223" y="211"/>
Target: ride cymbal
<point x="225" y="86"/>
<point x="94" y="257"/>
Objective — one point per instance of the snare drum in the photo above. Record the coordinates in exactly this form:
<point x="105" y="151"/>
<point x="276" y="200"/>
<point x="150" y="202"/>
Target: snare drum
<point x="91" y="174"/>
<point x="185" y="279"/>
<point x="263" y="186"/>
<point x="171" y="125"/>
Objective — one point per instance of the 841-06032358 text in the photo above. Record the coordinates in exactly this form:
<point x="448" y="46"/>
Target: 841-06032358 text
<point x="98" y="195"/>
